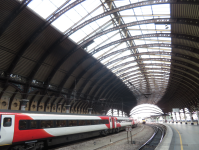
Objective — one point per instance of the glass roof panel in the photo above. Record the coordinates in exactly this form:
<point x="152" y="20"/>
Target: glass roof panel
<point x="131" y="70"/>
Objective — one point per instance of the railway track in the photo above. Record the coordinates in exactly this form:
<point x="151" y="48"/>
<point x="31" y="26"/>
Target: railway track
<point x="156" y="138"/>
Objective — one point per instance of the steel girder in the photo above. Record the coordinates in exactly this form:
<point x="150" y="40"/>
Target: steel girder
<point x="184" y="99"/>
<point x="179" y="76"/>
<point x="111" y="86"/>
<point x="186" y="48"/>
<point x="111" y="94"/>
<point x="90" y="66"/>
<point x="189" y="85"/>
<point x="83" y="59"/>
<point x="130" y="6"/>
<point x="59" y="64"/>
<point x="38" y="31"/>
<point x="100" y="83"/>
<point x="171" y="35"/>
<point x="176" y="70"/>
<point x="176" y="65"/>
<point x="12" y="17"/>
<point x="129" y="62"/>
<point x="185" y="92"/>
<point x="78" y="78"/>
<point x="102" y="88"/>
<point x="95" y="73"/>
<point x="115" y="87"/>
<point x="188" y="21"/>
<point x="124" y="75"/>
<point x="190" y="58"/>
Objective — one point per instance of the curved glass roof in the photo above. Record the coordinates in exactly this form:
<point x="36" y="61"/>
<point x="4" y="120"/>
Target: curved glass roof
<point x="146" y="109"/>
<point x="130" y="37"/>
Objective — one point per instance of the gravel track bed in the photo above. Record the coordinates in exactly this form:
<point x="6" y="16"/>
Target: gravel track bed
<point x="117" y="141"/>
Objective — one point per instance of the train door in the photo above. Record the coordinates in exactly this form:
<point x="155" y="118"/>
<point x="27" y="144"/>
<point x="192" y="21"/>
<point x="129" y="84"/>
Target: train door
<point x="111" y="125"/>
<point x="6" y="129"/>
<point x="114" y="122"/>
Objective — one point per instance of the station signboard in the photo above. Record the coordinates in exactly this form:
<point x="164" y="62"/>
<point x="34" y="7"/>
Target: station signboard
<point x="128" y="128"/>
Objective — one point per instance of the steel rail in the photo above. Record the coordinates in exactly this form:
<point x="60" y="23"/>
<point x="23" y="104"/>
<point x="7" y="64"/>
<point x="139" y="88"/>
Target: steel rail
<point x="156" y="128"/>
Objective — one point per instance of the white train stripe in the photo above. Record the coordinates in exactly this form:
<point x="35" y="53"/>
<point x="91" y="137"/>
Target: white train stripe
<point x="61" y="117"/>
<point x="74" y="130"/>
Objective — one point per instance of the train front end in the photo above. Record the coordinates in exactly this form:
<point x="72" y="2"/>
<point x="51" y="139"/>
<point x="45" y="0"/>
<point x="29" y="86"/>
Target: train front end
<point x="7" y="123"/>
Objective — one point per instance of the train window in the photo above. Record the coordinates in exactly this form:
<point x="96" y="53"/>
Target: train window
<point x="82" y="122"/>
<point x="46" y="124"/>
<point x="33" y="124"/>
<point x="61" y="123"/>
<point x="104" y="121"/>
<point x="23" y="125"/>
<point x="72" y="122"/>
<point x="89" y="122"/>
<point x="7" y="122"/>
<point x="96" y="121"/>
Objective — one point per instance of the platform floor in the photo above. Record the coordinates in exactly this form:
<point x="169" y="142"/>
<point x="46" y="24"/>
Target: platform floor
<point x="189" y="135"/>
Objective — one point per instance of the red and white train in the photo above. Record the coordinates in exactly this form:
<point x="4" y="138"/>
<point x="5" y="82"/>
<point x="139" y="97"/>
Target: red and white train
<point x="36" y="131"/>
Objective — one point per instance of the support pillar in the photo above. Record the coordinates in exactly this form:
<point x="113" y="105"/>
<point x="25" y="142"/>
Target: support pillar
<point x="111" y="111"/>
<point x="118" y="112"/>
<point x="191" y="118"/>
<point x="67" y="108"/>
<point x="180" y="118"/>
<point x="90" y="111"/>
<point x="176" y="117"/>
<point x="172" y="120"/>
<point x="23" y="103"/>
<point x="185" y="117"/>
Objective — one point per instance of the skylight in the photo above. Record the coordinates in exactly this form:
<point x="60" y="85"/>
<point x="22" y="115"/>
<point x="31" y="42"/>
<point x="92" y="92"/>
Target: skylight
<point x="128" y="51"/>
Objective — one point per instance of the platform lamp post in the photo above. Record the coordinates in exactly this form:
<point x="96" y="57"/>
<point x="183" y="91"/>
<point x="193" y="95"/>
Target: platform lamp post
<point x="67" y="108"/>
<point x="23" y="103"/>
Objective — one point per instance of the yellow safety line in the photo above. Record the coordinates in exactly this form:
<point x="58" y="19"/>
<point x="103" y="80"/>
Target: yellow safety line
<point x="180" y="138"/>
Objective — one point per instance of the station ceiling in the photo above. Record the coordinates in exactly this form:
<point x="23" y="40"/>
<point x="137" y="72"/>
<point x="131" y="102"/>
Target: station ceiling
<point x="99" y="54"/>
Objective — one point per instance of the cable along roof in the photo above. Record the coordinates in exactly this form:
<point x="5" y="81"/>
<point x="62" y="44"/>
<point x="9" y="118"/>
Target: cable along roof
<point x="130" y="37"/>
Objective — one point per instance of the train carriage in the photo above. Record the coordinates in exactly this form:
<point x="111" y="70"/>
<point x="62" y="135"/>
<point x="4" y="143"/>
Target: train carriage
<point x="27" y="130"/>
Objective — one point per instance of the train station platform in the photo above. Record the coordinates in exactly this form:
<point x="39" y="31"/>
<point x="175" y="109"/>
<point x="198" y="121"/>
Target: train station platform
<point x="180" y="137"/>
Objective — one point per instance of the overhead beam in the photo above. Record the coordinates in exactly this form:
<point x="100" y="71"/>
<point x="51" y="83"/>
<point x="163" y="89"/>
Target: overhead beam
<point x="130" y="6"/>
